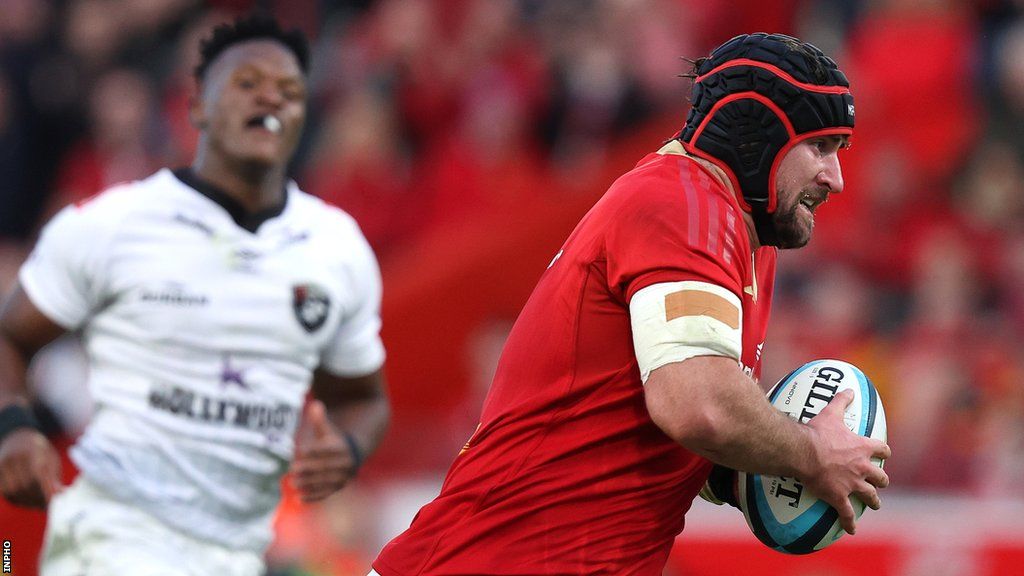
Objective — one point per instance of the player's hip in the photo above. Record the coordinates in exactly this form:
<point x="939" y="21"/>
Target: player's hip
<point x="88" y="531"/>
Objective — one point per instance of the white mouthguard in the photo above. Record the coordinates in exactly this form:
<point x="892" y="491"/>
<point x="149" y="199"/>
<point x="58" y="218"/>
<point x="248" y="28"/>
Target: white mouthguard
<point x="272" y="123"/>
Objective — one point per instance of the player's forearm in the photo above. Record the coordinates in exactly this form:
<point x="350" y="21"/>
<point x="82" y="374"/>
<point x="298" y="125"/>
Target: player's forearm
<point x="365" y="420"/>
<point x="12" y="374"/>
<point x="24" y="330"/>
<point x="748" y="434"/>
<point x="710" y="407"/>
<point x="357" y="407"/>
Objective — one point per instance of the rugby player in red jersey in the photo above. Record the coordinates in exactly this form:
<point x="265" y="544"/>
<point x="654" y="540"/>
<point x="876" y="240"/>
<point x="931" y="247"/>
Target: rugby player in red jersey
<point x="632" y="369"/>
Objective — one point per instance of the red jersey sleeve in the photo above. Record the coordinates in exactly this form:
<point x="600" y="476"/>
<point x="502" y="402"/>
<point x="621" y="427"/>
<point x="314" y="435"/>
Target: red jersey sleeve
<point x="674" y="222"/>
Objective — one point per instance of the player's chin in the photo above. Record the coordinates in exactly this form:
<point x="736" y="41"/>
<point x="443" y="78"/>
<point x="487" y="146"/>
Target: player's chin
<point x="794" y="232"/>
<point x="261" y="157"/>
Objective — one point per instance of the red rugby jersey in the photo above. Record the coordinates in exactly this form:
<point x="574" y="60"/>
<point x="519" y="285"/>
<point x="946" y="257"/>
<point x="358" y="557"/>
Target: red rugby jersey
<point x="567" y="473"/>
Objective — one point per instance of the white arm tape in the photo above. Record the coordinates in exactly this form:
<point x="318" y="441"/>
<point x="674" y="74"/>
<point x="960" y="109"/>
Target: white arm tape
<point x="696" y="322"/>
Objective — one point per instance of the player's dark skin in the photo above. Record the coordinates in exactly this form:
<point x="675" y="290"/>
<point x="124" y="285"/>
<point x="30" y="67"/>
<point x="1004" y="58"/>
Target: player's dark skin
<point x="248" y="162"/>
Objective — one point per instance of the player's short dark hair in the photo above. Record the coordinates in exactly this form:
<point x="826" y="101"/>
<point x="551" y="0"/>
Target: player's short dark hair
<point x="811" y="56"/>
<point x="252" y="27"/>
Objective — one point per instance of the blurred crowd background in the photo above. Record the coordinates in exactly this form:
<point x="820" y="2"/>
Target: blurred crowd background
<point x="468" y="136"/>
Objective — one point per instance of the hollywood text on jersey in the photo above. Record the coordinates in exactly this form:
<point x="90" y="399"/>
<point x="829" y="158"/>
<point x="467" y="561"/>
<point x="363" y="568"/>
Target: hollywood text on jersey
<point x="265" y="418"/>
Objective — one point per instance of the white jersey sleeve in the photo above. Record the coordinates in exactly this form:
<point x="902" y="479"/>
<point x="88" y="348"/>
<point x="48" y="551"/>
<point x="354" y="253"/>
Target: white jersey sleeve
<point x="356" y="348"/>
<point x="63" y="274"/>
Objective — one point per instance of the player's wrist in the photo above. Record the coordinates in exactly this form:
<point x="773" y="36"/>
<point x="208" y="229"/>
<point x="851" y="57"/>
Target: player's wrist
<point x="354" y="450"/>
<point x="807" y="461"/>
<point x="16" y="417"/>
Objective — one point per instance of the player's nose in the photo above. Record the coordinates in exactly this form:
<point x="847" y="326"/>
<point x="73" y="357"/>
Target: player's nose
<point x="831" y="174"/>
<point x="269" y="94"/>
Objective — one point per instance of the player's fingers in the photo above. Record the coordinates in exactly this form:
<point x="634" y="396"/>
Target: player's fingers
<point x="19" y="478"/>
<point x="24" y="490"/>
<point x="315" y="493"/>
<point x="868" y="494"/>
<point x="35" y="496"/>
<point x="6" y="485"/>
<point x="882" y="450"/>
<point x="325" y="459"/>
<point x="325" y="463"/>
<point x="50" y="485"/>
<point x="326" y="451"/>
<point x="31" y="481"/>
<point x="321" y="475"/>
<point x="333" y="477"/>
<point x="310" y="498"/>
<point x="316" y="456"/>
<point x="877" y="477"/>
<point x="319" y="492"/>
<point x="322" y="487"/>
<point x="318" y="421"/>
<point x="847" y="517"/>
<point x="47" y="474"/>
<point x="317" y="465"/>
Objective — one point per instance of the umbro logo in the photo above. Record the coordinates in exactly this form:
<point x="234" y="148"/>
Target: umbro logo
<point x="193" y="223"/>
<point x="849" y="109"/>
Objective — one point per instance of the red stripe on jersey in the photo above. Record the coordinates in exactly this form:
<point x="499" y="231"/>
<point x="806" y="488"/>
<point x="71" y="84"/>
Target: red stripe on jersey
<point x="708" y="209"/>
<point x="692" y="202"/>
<point x="730" y="226"/>
<point x="713" y="226"/>
<point x="706" y="198"/>
<point x="730" y="234"/>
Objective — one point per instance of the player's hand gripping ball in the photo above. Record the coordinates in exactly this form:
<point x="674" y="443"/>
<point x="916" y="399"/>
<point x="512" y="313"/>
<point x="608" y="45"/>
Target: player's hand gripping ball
<point x="780" y="512"/>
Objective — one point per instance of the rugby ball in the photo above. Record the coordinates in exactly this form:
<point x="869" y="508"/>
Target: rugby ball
<point x="783" y="515"/>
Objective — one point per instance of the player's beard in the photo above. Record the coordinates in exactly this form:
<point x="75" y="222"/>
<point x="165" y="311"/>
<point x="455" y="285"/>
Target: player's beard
<point x="792" y="227"/>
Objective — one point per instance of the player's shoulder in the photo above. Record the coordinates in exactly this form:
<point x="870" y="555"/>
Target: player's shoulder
<point x="318" y="211"/>
<point x="121" y="199"/>
<point x="673" y="184"/>
<point x="114" y="206"/>
<point x="325" y="218"/>
<point x="96" y="221"/>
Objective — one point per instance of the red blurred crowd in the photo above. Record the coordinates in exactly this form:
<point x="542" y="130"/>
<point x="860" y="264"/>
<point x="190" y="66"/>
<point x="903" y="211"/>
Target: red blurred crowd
<point x="466" y="136"/>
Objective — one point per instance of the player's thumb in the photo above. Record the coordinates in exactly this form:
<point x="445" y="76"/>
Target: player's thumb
<point x="49" y="475"/>
<point x="51" y="483"/>
<point x="843" y="399"/>
<point x="319" y="425"/>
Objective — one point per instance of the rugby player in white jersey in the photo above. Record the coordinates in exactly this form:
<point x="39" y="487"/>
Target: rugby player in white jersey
<point x="211" y="300"/>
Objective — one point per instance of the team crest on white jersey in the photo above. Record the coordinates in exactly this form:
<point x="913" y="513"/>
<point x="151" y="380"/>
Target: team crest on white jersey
<point x="311" y="306"/>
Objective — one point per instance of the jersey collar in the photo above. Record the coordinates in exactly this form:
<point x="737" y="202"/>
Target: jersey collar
<point x="250" y="221"/>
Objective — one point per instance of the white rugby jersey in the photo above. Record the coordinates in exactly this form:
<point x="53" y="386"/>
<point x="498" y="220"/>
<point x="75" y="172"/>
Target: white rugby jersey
<point x="202" y="339"/>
